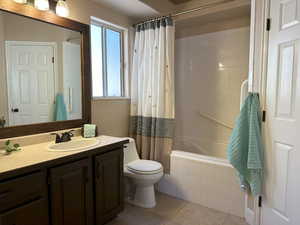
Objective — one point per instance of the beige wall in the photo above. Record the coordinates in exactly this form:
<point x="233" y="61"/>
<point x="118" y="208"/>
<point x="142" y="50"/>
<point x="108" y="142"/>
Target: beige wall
<point x="209" y="71"/>
<point x="82" y="10"/>
<point x="111" y="116"/>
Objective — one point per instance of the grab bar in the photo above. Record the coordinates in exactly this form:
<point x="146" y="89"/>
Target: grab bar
<point x="244" y="92"/>
<point x="216" y="121"/>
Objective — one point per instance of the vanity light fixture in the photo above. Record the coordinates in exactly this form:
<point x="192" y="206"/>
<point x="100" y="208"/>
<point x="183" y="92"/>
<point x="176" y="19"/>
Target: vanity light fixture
<point x="62" y="8"/>
<point x="41" y="4"/>
<point x="21" y="1"/>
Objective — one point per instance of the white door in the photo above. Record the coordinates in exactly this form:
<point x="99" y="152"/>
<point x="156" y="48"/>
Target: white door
<point x="281" y="203"/>
<point x="72" y="79"/>
<point x="30" y="77"/>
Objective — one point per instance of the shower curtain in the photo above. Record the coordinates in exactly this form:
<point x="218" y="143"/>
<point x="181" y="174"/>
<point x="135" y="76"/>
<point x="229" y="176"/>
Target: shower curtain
<point x="152" y="90"/>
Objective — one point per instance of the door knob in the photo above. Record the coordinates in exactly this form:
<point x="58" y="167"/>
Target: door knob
<point x="15" y="110"/>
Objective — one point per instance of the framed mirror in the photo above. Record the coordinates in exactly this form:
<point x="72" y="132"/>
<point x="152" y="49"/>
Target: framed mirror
<point x="45" y="81"/>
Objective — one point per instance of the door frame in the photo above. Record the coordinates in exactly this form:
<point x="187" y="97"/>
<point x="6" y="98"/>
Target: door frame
<point x="64" y="43"/>
<point x="8" y="45"/>
<point x="258" y="65"/>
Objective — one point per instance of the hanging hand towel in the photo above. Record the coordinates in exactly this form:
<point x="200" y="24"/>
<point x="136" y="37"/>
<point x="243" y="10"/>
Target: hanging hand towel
<point x="60" y="113"/>
<point x="245" y="148"/>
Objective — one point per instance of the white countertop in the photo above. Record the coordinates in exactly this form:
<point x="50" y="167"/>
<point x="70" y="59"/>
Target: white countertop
<point x="38" y="153"/>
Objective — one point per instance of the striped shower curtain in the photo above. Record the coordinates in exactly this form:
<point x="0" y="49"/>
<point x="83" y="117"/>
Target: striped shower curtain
<point x="152" y="90"/>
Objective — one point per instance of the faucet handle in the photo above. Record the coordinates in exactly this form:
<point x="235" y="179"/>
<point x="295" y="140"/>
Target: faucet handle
<point x="66" y="136"/>
<point x="70" y="132"/>
<point x="57" y="138"/>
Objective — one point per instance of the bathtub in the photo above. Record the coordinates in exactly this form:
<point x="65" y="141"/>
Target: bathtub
<point x="205" y="180"/>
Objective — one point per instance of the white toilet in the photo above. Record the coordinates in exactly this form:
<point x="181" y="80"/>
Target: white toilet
<point x="141" y="176"/>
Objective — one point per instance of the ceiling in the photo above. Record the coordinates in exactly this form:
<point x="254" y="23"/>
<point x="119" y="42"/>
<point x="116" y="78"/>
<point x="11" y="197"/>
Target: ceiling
<point x="132" y="8"/>
<point x="180" y="1"/>
<point x="139" y="10"/>
<point x="228" y="14"/>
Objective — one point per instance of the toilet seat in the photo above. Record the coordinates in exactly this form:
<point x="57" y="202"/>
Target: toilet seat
<point x="144" y="167"/>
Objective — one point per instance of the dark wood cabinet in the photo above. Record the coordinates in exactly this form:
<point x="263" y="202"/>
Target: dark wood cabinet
<point x="33" y="213"/>
<point x="21" y="190"/>
<point x="70" y="193"/>
<point x="82" y="189"/>
<point x="24" y="200"/>
<point x="108" y="185"/>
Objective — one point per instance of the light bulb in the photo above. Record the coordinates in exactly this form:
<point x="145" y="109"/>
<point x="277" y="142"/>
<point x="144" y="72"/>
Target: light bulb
<point x="21" y="1"/>
<point x="62" y="8"/>
<point x="41" y="4"/>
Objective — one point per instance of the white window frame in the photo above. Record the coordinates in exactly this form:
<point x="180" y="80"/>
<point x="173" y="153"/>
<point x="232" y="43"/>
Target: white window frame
<point x="124" y="60"/>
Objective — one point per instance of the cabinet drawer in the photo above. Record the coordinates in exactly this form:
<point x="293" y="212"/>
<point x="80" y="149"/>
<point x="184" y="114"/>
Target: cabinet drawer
<point x="32" y="213"/>
<point x="20" y="190"/>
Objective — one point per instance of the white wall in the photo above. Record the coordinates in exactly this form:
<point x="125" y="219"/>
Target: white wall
<point x="209" y="70"/>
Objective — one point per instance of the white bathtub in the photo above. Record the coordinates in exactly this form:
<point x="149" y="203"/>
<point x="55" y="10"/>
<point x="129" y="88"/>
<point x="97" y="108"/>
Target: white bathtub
<point x="204" y="180"/>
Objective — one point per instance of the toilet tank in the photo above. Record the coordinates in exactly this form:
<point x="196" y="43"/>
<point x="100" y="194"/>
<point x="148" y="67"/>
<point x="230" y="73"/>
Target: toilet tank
<point x="130" y="152"/>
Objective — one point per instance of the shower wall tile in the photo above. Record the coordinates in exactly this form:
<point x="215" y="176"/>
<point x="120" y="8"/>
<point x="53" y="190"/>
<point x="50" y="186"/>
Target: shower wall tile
<point x="209" y="71"/>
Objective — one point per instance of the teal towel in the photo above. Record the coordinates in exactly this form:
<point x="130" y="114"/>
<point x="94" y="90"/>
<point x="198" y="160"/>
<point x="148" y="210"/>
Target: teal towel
<point x="60" y="112"/>
<point x="245" y="150"/>
<point x="89" y="130"/>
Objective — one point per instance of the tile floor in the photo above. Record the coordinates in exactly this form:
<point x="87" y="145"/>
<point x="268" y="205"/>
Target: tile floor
<point x="172" y="211"/>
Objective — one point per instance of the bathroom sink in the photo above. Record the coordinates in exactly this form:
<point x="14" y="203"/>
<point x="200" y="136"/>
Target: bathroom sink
<point x="73" y="145"/>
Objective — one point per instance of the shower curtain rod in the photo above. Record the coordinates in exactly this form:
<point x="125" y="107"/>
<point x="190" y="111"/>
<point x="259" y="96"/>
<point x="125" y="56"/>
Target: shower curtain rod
<point x="183" y="12"/>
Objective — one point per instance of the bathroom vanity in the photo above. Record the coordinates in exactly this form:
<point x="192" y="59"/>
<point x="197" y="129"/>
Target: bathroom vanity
<point x="42" y="187"/>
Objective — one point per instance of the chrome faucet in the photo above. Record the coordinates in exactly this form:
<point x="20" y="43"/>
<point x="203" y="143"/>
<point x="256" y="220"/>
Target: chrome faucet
<point x="64" y="137"/>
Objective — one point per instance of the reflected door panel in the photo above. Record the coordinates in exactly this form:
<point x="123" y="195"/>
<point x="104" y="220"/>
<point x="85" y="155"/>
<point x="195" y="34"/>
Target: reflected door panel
<point x="31" y="82"/>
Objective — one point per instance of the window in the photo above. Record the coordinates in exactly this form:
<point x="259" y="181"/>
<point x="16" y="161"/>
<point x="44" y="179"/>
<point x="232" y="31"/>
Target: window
<point x="107" y="61"/>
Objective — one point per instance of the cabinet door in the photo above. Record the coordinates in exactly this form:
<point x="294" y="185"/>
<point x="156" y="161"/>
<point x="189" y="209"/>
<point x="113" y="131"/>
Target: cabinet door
<point x="33" y="213"/>
<point x="109" y="185"/>
<point x="71" y="193"/>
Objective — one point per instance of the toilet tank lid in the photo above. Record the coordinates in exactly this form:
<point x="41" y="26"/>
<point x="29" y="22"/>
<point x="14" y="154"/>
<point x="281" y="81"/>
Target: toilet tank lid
<point x="144" y="165"/>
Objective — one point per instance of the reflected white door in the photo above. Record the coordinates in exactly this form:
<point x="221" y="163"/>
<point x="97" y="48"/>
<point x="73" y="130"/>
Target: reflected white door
<point x="72" y="79"/>
<point x="30" y="78"/>
<point x="281" y="205"/>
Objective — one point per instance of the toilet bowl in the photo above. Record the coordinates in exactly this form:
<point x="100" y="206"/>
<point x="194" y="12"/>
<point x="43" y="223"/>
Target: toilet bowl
<point x="141" y="176"/>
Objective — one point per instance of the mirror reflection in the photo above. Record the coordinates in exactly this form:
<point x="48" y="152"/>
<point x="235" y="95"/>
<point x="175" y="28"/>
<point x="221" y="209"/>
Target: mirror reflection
<point x="40" y="72"/>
